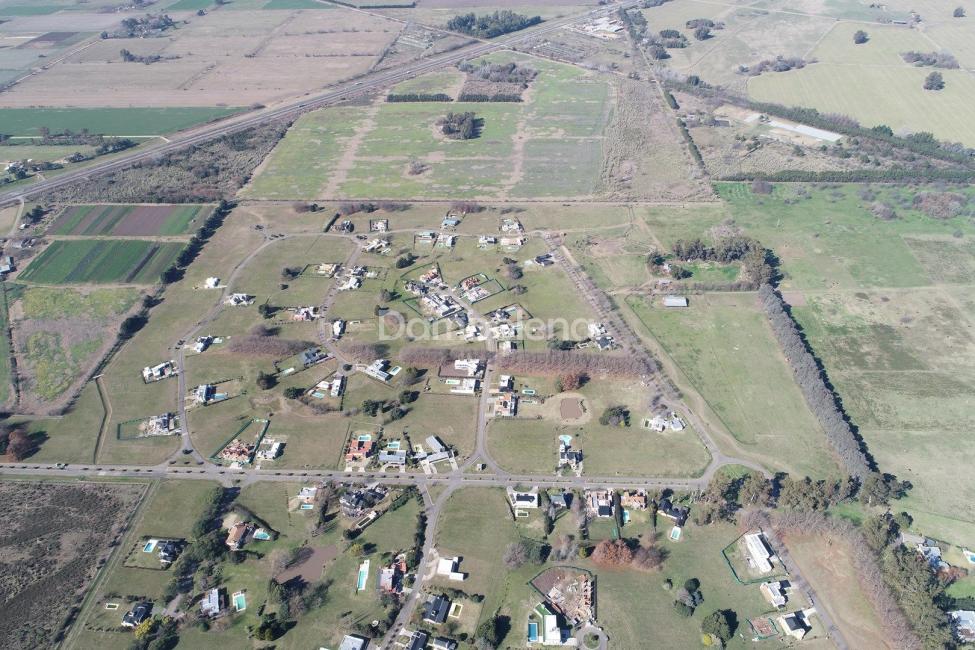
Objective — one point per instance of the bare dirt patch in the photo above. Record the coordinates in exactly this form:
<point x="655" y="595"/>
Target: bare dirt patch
<point x="54" y="538"/>
<point x="570" y="408"/>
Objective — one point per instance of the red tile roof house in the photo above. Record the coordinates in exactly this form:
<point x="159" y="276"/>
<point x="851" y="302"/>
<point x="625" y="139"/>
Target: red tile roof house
<point x="359" y="449"/>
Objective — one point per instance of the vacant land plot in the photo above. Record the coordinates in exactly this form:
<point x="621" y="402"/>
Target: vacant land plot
<point x="75" y="523"/>
<point x="827" y="565"/>
<point x="234" y="58"/>
<point x="562" y="119"/>
<point x="107" y="121"/>
<point x="128" y="220"/>
<point x="850" y="90"/>
<point x="725" y="350"/>
<point x="910" y="400"/>
<point x="125" y="261"/>
<point x="41" y="153"/>
<point x="58" y="335"/>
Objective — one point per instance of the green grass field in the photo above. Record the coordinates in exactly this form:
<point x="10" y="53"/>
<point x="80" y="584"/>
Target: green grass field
<point x="128" y="220"/>
<point x="107" y="121"/>
<point x="5" y="378"/>
<point x="852" y="90"/>
<point x="41" y="153"/>
<point x="349" y="152"/>
<point x="726" y="351"/>
<point x="102" y="261"/>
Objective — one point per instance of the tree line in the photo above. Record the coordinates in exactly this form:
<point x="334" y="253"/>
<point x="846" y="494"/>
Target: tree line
<point x="491" y="25"/>
<point x="418" y="97"/>
<point x="921" y="143"/>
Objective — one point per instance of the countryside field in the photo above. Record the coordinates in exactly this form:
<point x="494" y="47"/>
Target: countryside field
<point x="107" y="121"/>
<point x="354" y="151"/>
<point x="128" y="220"/>
<point x="102" y="261"/>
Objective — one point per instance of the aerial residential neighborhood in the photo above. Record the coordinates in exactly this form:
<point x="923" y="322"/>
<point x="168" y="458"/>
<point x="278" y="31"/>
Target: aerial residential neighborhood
<point x="472" y="325"/>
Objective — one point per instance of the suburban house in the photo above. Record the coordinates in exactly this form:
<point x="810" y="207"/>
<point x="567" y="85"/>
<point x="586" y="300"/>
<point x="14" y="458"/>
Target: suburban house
<point x="757" y="551"/>
<point x="447" y="566"/>
<point x="393" y="457"/>
<point x="677" y="513"/>
<point x="212" y="603"/>
<point x="338" y="328"/>
<point x="600" y="503"/>
<point x="334" y="386"/>
<point x="137" y="614"/>
<point x="158" y="372"/>
<point x="963" y="625"/>
<point x="359" y="448"/>
<point x="486" y="240"/>
<point x="561" y="499"/>
<point x="450" y="221"/>
<point x="435" y="610"/>
<point x="568" y="456"/>
<point x="377" y="370"/>
<point x="468" y="367"/>
<point x="774" y="593"/>
<point x="169" y="550"/>
<point x="378" y="225"/>
<point x="237" y="535"/>
<point x="202" y="343"/>
<point x="270" y="450"/>
<point x="505" y="405"/>
<point x="211" y="283"/>
<point x="377" y="245"/>
<point x="794" y="624"/>
<point x="305" y="314"/>
<point x="166" y="424"/>
<point x="418" y="640"/>
<point x="311" y="356"/>
<point x="466" y="386"/>
<point x="661" y="423"/>
<point x="634" y="499"/>
<point x="550" y="633"/>
<point x="204" y="393"/>
<point x="351" y="642"/>
<point x="239" y="300"/>
<point x="675" y="301"/>
<point x="523" y="499"/>
<point x="931" y="552"/>
<point x="391" y="577"/>
<point x="328" y="270"/>
<point x="443" y="643"/>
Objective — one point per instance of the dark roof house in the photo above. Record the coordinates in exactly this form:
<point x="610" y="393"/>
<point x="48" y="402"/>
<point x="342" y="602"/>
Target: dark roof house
<point x="137" y="614"/>
<point x="435" y="610"/>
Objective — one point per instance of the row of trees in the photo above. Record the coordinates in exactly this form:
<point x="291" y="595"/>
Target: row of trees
<point x="419" y="97"/>
<point x="810" y="377"/>
<point x="920" y="143"/>
<point x="491" y="25"/>
<point x="510" y="73"/>
<point x="933" y="59"/>
<point x="558" y="362"/>
<point x="894" y="173"/>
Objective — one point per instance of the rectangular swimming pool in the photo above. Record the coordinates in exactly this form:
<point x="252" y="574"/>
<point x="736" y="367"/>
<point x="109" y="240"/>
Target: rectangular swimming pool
<point x="240" y="601"/>
<point x="360" y="583"/>
<point x="532" y="632"/>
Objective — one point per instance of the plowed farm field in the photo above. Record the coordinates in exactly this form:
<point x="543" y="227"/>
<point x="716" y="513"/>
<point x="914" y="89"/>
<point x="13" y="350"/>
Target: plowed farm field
<point x="128" y="220"/>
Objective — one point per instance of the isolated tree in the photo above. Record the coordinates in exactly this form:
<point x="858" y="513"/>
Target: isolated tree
<point x="571" y="381"/>
<point x="860" y="37"/>
<point x="959" y="12"/>
<point x="934" y="81"/>
<point x="293" y="392"/>
<point x="265" y="380"/>
<point x="702" y="33"/>
<point x="721" y="624"/>
<point x="612" y="553"/>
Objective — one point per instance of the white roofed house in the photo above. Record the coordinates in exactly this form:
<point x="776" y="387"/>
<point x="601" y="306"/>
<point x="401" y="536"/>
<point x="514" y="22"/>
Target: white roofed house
<point x="963" y="625"/>
<point x="759" y="556"/>
<point x="338" y="328"/>
<point x="774" y="593"/>
<point x="520" y="499"/>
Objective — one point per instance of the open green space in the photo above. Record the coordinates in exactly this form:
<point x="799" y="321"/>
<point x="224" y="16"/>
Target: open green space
<point x="724" y="348"/>
<point x="910" y="400"/>
<point x="853" y="89"/>
<point x="348" y="152"/>
<point x="102" y="261"/>
<point x="107" y="121"/>
<point x="42" y="153"/>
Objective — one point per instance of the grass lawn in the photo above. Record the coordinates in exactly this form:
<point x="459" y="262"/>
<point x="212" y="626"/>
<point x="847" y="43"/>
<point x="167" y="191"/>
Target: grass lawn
<point x="70" y="439"/>
<point x="725" y="350"/>
<point x="108" y="121"/>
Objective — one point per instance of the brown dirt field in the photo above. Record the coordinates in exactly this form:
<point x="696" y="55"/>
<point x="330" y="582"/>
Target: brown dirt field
<point x="144" y="220"/>
<point x="53" y="539"/>
<point x="795" y="298"/>
<point x="233" y="58"/>
<point x="310" y="569"/>
<point x="570" y="408"/>
<point x="827" y="566"/>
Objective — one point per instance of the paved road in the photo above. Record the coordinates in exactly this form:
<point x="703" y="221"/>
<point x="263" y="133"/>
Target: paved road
<point x="293" y="108"/>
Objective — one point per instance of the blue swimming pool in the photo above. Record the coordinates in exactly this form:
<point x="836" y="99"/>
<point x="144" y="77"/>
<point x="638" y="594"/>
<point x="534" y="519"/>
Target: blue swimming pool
<point x="363" y="576"/>
<point x="532" y="632"/>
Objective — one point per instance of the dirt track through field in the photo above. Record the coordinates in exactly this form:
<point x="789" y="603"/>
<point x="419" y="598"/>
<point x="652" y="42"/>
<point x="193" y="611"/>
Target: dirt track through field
<point x="347" y="160"/>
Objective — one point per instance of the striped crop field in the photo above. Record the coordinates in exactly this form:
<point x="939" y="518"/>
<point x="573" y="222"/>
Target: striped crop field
<point x="123" y="261"/>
